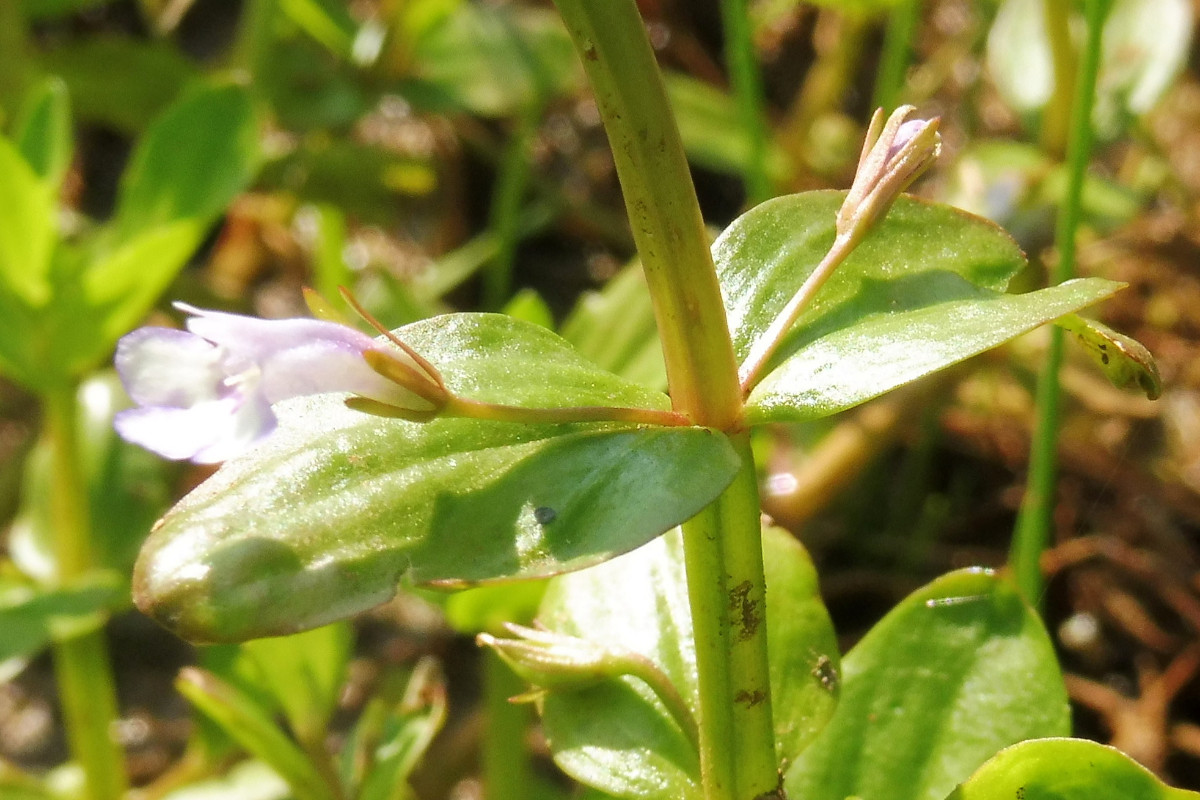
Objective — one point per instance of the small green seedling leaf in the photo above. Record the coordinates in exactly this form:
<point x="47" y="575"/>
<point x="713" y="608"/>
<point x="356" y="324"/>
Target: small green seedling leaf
<point x="957" y="670"/>
<point x="396" y="733"/>
<point x="617" y="735"/>
<point x="27" y="229"/>
<point x="324" y="518"/>
<point x="1125" y="361"/>
<point x="43" y="131"/>
<point x="305" y="673"/>
<point x="1064" y="769"/>
<point x="254" y="729"/>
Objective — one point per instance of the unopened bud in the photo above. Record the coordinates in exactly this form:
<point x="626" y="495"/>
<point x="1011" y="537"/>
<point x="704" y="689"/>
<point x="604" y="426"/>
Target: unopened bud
<point x="894" y="155"/>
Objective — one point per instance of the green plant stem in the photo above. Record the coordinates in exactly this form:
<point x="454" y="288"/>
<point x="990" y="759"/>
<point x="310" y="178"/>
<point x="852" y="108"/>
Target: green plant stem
<point x="722" y="544"/>
<point x="663" y="210"/>
<point x="748" y="94"/>
<point x="462" y="407"/>
<point x="252" y="43"/>
<point x="507" y="771"/>
<point x="512" y="180"/>
<point x="727" y="594"/>
<point x="1058" y="118"/>
<point x="1034" y="522"/>
<point x="897" y="44"/>
<point x="81" y="663"/>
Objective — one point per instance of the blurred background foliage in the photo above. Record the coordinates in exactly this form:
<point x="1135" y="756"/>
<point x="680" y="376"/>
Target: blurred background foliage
<point x="444" y="154"/>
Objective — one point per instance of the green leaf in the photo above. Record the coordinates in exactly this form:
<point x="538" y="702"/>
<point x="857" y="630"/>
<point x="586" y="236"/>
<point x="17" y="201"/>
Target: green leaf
<point x="192" y="161"/>
<point x="304" y="672"/>
<point x="27" y="229"/>
<point x="617" y="736"/>
<point x="920" y="293"/>
<point x="43" y="131"/>
<point x="485" y="609"/>
<point x="496" y="61"/>
<point x="298" y="676"/>
<point x="765" y="255"/>
<point x="323" y="519"/>
<point x="246" y="780"/>
<point x="253" y="728"/>
<point x="1064" y="769"/>
<point x="957" y="670"/>
<point x="1125" y="361"/>
<point x="615" y="328"/>
<point x="397" y="732"/>
<point x="326" y="21"/>
<point x="833" y="371"/>
<point x="32" y="617"/>
<point x="120" y="81"/>
<point x="529" y="306"/>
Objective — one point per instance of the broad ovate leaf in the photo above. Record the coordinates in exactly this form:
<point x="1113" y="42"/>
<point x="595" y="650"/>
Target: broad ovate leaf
<point x="1064" y="769"/>
<point x="324" y="518"/>
<point x="921" y="292"/>
<point x="617" y="735"/>
<point x="958" y="670"/>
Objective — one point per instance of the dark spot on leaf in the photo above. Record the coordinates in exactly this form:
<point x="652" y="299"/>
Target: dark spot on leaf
<point x="744" y="608"/>
<point x="1104" y="358"/>
<point x="1020" y="793"/>
<point x="544" y="515"/>
<point x="750" y="699"/>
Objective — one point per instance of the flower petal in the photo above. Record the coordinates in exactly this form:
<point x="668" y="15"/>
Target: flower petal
<point x="205" y="433"/>
<point x="167" y="367"/>
<point x="258" y="339"/>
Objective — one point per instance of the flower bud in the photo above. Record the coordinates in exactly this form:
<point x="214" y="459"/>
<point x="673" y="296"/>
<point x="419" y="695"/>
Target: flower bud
<point x="894" y="155"/>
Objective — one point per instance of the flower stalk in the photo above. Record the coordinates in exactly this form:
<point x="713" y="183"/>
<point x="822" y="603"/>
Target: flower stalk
<point x="895" y="153"/>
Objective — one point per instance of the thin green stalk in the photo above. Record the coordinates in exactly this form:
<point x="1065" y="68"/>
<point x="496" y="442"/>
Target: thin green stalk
<point x="1034" y="522"/>
<point x="722" y="544"/>
<point x="507" y="771"/>
<point x="727" y="594"/>
<point x="748" y="94"/>
<point x="512" y="180"/>
<point x="253" y="36"/>
<point x="897" y="45"/>
<point x="82" y="667"/>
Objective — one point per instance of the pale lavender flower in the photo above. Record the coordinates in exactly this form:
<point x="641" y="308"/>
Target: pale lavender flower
<point x="205" y="394"/>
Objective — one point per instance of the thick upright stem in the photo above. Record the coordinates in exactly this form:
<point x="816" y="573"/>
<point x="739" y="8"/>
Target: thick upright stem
<point x="81" y="663"/>
<point x="663" y="210"/>
<point x="722" y="544"/>
<point x="727" y="593"/>
<point x="1057" y="122"/>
